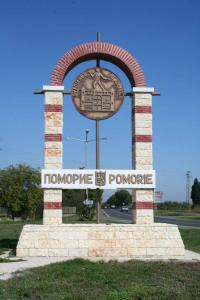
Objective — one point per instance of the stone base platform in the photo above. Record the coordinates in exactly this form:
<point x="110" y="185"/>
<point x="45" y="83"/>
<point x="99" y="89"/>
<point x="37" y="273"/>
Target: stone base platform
<point x="101" y="242"/>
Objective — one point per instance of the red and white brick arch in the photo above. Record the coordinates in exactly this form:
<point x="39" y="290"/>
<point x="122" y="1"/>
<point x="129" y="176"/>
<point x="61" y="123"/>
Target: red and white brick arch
<point x="141" y="124"/>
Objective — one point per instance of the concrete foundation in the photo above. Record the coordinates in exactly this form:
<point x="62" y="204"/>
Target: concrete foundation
<point x="101" y="242"/>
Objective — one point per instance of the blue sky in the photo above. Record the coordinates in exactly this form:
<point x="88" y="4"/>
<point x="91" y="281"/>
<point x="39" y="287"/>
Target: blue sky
<point x="164" y="36"/>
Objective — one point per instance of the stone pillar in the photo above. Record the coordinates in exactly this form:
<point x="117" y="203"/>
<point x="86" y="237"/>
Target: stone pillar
<point x="142" y="152"/>
<point x="53" y="116"/>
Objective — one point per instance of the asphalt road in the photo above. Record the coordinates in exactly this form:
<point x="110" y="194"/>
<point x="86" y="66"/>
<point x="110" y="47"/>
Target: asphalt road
<point x="126" y="217"/>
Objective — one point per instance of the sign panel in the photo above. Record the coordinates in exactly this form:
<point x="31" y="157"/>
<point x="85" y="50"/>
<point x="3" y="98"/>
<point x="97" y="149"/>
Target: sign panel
<point x="97" y="93"/>
<point x="102" y="179"/>
<point x="158" y="197"/>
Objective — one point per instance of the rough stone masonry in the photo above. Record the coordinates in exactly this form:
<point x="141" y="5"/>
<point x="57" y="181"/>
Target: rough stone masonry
<point x="101" y="242"/>
<point x="143" y="238"/>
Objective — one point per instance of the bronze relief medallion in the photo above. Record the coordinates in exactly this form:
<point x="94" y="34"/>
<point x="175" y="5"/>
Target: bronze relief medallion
<point x="97" y="93"/>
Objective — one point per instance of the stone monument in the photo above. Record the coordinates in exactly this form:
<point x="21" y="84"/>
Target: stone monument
<point x="97" y="94"/>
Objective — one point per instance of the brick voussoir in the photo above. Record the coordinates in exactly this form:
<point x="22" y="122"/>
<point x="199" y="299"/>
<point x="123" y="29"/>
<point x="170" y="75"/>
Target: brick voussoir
<point x="53" y="137"/>
<point x="142" y="109"/>
<point x="53" y="108"/>
<point x="142" y="205"/>
<point x="52" y="205"/>
<point x="142" y="138"/>
<point x="112" y="52"/>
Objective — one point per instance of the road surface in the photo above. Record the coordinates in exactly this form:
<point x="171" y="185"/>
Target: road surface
<point x="126" y="218"/>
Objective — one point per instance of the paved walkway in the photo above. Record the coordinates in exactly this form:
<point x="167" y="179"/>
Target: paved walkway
<point x="7" y="270"/>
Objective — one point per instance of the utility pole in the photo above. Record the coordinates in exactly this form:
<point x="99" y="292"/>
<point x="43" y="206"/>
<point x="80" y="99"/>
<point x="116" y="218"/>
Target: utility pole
<point x="97" y="150"/>
<point x="188" y="176"/>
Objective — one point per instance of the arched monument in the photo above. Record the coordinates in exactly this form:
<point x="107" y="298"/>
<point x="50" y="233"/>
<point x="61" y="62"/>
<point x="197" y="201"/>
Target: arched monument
<point x="97" y="93"/>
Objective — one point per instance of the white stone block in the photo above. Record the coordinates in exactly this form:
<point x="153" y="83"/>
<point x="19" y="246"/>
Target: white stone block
<point x="66" y="243"/>
<point x="156" y="251"/>
<point x="56" y="234"/>
<point x="144" y="219"/>
<point x="143" y="167"/>
<point x="52" y="197"/>
<point x="22" y="252"/>
<point x="53" y="88"/>
<point x="125" y="243"/>
<point x="143" y="153"/>
<point x="77" y="235"/>
<point x="115" y="252"/>
<point x="55" y="244"/>
<point x="174" y="251"/>
<point x="38" y="252"/>
<point x="53" y="152"/>
<point x="142" y="146"/>
<point x="145" y="160"/>
<point x="52" y="213"/>
<point x="143" y="90"/>
<point x="54" y="98"/>
<point x="58" y="252"/>
<point x="52" y="160"/>
<point x="77" y="252"/>
<point x="27" y="243"/>
<point x="144" y="213"/>
<point x="135" y="252"/>
<point x="53" y="192"/>
<point x="52" y="220"/>
<point x="141" y="100"/>
<point x="123" y="235"/>
<point x="142" y="117"/>
<point x="53" y="119"/>
<point x="54" y="166"/>
<point x="144" y="195"/>
<point x="53" y="130"/>
<point x="53" y="145"/>
<point x="42" y="243"/>
<point x="142" y="131"/>
<point x="144" y="124"/>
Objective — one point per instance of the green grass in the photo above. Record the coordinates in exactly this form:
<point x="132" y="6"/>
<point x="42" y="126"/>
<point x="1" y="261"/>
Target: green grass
<point x="191" y="239"/>
<point x="10" y="232"/>
<point x="84" y="280"/>
<point x="185" y="215"/>
<point x="172" y="213"/>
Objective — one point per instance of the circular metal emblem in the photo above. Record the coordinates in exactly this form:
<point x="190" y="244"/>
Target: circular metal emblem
<point x="97" y="93"/>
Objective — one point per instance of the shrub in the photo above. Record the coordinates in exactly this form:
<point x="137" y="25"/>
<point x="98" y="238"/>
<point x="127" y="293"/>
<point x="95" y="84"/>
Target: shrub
<point x="168" y="205"/>
<point x="85" y="213"/>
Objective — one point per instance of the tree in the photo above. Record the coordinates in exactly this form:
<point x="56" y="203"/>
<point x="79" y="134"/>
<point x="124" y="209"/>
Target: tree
<point x="76" y="198"/>
<point x="120" y="198"/>
<point x="86" y="213"/>
<point x="73" y="197"/>
<point x="20" y="191"/>
<point x="93" y="193"/>
<point x="195" y="193"/>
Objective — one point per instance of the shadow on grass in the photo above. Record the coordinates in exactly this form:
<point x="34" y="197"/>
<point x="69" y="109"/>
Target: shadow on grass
<point x="6" y="244"/>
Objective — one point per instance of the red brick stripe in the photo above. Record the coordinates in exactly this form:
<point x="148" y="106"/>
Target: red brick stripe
<point x="142" y="205"/>
<point x="142" y="109"/>
<point x="52" y="205"/>
<point x="53" y="137"/>
<point x="142" y="138"/>
<point x="105" y="51"/>
<point x="53" y="108"/>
